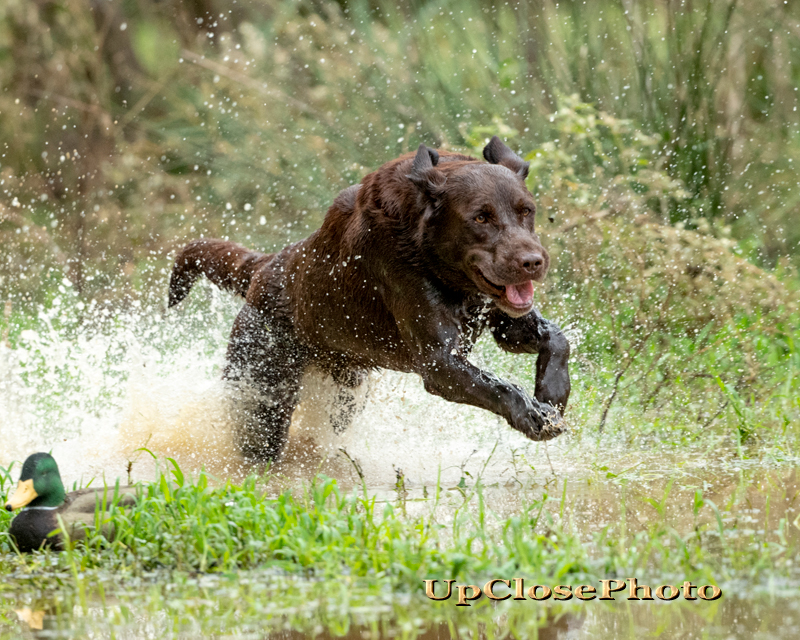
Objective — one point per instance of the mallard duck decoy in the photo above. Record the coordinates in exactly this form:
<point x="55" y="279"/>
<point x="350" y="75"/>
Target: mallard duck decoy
<point x="41" y="492"/>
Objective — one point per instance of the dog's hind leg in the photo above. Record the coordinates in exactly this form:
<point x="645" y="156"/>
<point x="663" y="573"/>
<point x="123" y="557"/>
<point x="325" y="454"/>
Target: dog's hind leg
<point x="349" y="400"/>
<point x="268" y="364"/>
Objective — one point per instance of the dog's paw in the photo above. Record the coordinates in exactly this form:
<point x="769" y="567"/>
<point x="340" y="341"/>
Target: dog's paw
<point x="554" y="424"/>
<point x="546" y="423"/>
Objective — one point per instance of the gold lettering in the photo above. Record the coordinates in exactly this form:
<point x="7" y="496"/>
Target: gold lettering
<point x="463" y="597"/>
<point x="519" y="583"/>
<point x="673" y="592"/>
<point x="716" y="592"/>
<point x="429" y="589"/>
<point x="563" y="590"/>
<point x="687" y="591"/>
<point x="634" y="591"/>
<point x="545" y="592"/>
<point x="607" y="590"/>
<point x="487" y="589"/>
<point x="586" y="589"/>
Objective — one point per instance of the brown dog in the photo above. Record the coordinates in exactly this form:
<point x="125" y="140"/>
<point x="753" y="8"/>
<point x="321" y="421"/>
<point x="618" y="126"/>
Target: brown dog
<point x="406" y="271"/>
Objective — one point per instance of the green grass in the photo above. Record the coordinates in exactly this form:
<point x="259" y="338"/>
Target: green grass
<point x="208" y="556"/>
<point x="320" y="532"/>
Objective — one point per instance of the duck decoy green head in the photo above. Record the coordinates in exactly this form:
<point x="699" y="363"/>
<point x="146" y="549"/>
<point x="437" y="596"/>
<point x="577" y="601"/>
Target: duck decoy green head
<point x="39" y="484"/>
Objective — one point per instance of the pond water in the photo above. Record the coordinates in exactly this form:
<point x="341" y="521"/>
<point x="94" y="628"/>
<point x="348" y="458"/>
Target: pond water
<point x="250" y="607"/>
<point x="95" y="397"/>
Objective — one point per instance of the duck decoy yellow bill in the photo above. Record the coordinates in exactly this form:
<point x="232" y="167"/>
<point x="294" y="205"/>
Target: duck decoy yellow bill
<point x="24" y="494"/>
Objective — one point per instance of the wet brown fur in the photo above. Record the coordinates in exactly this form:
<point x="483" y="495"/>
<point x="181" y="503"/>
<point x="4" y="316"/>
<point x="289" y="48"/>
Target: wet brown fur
<point x="405" y="272"/>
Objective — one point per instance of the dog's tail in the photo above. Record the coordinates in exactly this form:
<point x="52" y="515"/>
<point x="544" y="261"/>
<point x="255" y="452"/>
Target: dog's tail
<point x="227" y="264"/>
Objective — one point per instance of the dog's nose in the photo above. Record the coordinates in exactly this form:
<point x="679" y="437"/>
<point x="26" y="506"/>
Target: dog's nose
<point x="531" y="262"/>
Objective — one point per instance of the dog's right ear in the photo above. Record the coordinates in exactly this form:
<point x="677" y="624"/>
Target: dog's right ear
<point x="424" y="173"/>
<point x="498" y="153"/>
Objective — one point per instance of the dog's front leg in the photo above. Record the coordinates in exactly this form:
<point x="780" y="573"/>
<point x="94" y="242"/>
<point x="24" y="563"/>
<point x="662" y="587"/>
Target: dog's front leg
<point x="534" y="334"/>
<point x="447" y="374"/>
<point x="456" y="379"/>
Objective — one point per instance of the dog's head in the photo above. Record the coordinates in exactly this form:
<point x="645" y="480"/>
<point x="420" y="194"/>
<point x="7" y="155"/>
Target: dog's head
<point x="478" y="225"/>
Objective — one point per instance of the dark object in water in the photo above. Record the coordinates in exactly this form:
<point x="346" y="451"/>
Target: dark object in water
<point x="41" y="493"/>
<point x="408" y="268"/>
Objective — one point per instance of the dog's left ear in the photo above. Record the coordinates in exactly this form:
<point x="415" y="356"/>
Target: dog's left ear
<point x="498" y="153"/>
<point x="424" y="173"/>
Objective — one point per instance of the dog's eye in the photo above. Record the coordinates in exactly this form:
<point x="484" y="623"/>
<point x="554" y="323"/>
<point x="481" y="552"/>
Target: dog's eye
<point x="482" y="218"/>
<point x="526" y="212"/>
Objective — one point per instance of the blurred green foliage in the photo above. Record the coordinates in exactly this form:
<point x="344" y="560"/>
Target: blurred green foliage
<point x="131" y="126"/>
<point x="667" y="322"/>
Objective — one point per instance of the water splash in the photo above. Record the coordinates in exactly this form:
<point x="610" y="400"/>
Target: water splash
<point x="97" y="392"/>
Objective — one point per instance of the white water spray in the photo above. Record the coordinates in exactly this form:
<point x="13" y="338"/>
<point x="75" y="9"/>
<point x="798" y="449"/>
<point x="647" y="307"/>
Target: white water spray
<point x="97" y="394"/>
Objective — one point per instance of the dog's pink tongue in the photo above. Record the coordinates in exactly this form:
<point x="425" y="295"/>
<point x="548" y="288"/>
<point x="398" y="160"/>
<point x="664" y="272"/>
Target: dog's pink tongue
<point x="520" y="295"/>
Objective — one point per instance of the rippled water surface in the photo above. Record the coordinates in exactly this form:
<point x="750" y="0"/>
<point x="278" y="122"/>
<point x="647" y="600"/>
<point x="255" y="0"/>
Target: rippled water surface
<point x="225" y="608"/>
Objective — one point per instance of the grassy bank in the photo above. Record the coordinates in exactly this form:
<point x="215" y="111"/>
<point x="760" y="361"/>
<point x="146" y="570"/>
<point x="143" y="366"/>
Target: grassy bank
<point x="321" y="532"/>
<point x="207" y="557"/>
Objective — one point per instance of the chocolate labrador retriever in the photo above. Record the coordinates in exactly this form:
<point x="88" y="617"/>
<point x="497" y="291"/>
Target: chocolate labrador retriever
<point x="406" y="271"/>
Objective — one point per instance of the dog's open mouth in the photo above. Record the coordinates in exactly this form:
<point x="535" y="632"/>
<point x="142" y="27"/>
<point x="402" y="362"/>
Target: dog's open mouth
<point x="517" y="296"/>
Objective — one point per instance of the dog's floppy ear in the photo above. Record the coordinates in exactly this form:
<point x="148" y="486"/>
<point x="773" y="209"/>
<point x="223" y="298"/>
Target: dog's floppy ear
<point x="424" y="173"/>
<point x="498" y="153"/>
